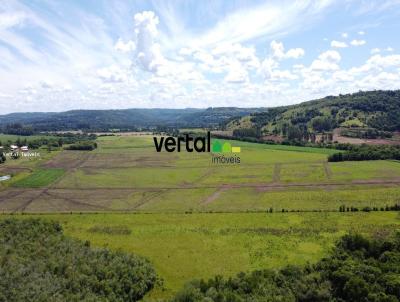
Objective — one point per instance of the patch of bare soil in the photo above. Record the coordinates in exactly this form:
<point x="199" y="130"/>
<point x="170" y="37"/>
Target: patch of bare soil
<point x="214" y="196"/>
<point x="273" y="138"/>
<point x="33" y="195"/>
<point x="75" y="202"/>
<point x="68" y="160"/>
<point x="10" y="194"/>
<point x="131" y="133"/>
<point x="223" y="132"/>
<point x="120" y="161"/>
<point x="358" y="141"/>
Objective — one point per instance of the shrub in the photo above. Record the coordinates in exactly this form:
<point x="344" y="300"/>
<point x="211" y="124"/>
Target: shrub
<point x="85" y="146"/>
<point x="38" y="263"/>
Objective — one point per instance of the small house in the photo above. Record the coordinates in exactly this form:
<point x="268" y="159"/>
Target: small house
<point x="24" y="149"/>
<point x="14" y="148"/>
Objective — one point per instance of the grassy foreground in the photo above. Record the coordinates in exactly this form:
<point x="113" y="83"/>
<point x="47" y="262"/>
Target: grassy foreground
<point x="187" y="246"/>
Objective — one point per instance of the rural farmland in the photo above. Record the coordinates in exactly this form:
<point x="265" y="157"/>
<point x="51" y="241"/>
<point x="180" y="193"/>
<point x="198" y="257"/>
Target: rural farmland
<point x="185" y="214"/>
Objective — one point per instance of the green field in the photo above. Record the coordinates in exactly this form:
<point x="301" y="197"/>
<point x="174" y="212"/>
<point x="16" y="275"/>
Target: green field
<point x="187" y="246"/>
<point x="193" y="218"/>
<point x="39" y="178"/>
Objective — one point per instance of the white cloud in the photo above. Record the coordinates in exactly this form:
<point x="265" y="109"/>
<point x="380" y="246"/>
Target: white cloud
<point x="330" y="56"/>
<point x="278" y="51"/>
<point x="236" y="51"/>
<point x="375" y="50"/>
<point x="381" y="62"/>
<point x="282" y="75"/>
<point x="124" y="47"/>
<point x="237" y="74"/>
<point x="148" y="51"/>
<point x="358" y="42"/>
<point x="338" y="44"/>
<point x="112" y="74"/>
<point x="267" y="19"/>
<point x="295" y="53"/>
<point x="361" y="33"/>
<point x="267" y="67"/>
<point x="327" y="61"/>
<point x="342" y="76"/>
<point x="98" y="61"/>
<point x="11" y="19"/>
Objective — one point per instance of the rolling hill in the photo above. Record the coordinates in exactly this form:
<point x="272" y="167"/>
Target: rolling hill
<point x="127" y="119"/>
<point x="374" y="113"/>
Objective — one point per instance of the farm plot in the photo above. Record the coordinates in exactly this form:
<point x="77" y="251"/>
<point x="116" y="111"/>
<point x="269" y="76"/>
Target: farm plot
<point x="39" y="178"/>
<point x="127" y="174"/>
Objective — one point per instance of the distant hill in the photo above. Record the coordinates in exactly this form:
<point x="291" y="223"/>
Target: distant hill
<point x="371" y="112"/>
<point x="126" y="119"/>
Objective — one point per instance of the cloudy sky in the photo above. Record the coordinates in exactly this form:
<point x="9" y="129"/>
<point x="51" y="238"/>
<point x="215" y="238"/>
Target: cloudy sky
<point x="62" y="55"/>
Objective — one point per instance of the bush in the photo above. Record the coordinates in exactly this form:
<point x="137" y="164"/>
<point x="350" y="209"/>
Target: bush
<point x="38" y="263"/>
<point x="85" y="146"/>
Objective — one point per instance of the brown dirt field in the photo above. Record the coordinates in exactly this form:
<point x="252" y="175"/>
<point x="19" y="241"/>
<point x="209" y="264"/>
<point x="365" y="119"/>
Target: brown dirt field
<point x="68" y="160"/>
<point x="103" y="200"/>
<point x="110" y="161"/>
<point x="124" y="133"/>
<point x="274" y="138"/>
<point x="13" y="170"/>
<point x="223" y="132"/>
<point x="358" y="141"/>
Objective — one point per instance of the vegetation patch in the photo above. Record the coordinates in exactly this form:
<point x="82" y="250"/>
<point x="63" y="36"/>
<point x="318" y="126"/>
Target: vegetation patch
<point x="83" y="146"/>
<point x="187" y="246"/>
<point x="110" y="230"/>
<point x="40" y="178"/>
<point x="38" y="263"/>
<point x="358" y="269"/>
<point x="366" y="152"/>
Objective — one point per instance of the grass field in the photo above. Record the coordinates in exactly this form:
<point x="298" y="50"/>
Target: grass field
<point x="187" y="246"/>
<point x="39" y="178"/>
<point x="195" y="219"/>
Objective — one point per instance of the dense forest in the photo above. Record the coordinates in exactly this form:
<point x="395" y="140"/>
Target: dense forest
<point x="357" y="270"/>
<point x="124" y="119"/>
<point x="370" y="114"/>
<point x="39" y="263"/>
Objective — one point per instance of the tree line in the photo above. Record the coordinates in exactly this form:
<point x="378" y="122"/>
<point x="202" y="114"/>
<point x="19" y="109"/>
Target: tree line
<point x="365" y="152"/>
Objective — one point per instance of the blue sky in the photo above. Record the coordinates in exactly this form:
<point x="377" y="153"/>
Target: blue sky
<point x="62" y="55"/>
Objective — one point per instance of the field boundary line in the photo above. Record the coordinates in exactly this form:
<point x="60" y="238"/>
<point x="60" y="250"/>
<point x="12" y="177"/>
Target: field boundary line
<point x="246" y="185"/>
